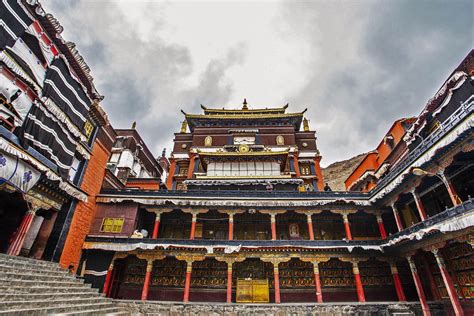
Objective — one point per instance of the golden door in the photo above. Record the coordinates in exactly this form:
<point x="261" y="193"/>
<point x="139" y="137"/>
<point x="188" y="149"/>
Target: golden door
<point x="252" y="291"/>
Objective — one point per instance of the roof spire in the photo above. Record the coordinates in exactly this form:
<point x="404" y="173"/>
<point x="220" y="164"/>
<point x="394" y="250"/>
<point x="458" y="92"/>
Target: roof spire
<point x="134" y="124"/>
<point x="245" y="108"/>
<point x="305" y="124"/>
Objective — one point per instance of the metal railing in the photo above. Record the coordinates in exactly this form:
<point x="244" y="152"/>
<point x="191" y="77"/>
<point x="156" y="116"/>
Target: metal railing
<point x="454" y="119"/>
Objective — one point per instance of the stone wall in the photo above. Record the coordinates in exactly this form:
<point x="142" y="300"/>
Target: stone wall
<point x="172" y="309"/>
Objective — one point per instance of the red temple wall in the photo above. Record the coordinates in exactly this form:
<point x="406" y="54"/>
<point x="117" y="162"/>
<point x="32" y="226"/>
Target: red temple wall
<point x="128" y="211"/>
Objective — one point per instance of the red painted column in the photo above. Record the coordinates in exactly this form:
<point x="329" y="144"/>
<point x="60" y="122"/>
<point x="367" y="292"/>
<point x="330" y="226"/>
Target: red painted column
<point x="187" y="284"/>
<point x="347" y="227"/>
<point x="397" y="282"/>
<point x="157" y="226"/>
<point x="15" y="247"/>
<point x="398" y="220"/>
<point x="108" y="279"/>
<point x="310" y="227"/>
<point x="231" y="226"/>
<point x="296" y="165"/>
<point x="193" y="226"/>
<point x="192" y="162"/>
<point x="419" y="287"/>
<point x="276" y="276"/>
<point x="358" y="282"/>
<point x="146" y="284"/>
<point x="172" y="170"/>
<point x="317" y="282"/>
<point x="449" y="186"/>
<point x="383" y="233"/>
<point x="229" y="282"/>
<point x="274" y="229"/>
<point x="431" y="280"/>
<point x="419" y="205"/>
<point x="453" y="296"/>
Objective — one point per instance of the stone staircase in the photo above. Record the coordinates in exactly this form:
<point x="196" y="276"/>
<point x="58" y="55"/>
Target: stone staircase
<point x="34" y="287"/>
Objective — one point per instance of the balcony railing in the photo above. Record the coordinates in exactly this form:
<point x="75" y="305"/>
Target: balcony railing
<point x="467" y="206"/>
<point x="459" y="115"/>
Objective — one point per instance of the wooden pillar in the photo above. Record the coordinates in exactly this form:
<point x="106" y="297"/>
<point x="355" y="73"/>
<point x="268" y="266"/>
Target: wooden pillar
<point x="449" y="186"/>
<point x="146" y="284"/>
<point x="430" y="277"/>
<point x="273" y="224"/>
<point x="231" y="226"/>
<point x="296" y="165"/>
<point x="156" y="226"/>
<point x="419" y="205"/>
<point x="172" y="170"/>
<point x="397" y="282"/>
<point x="345" y="218"/>
<point x="192" y="161"/>
<point x="20" y="235"/>
<point x="383" y="233"/>
<point x="317" y="282"/>
<point x="419" y="287"/>
<point x="398" y="220"/>
<point x="229" y="282"/>
<point x="108" y="278"/>
<point x="310" y="226"/>
<point x="276" y="276"/>
<point x="319" y="173"/>
<point x="193" y="226"/>
<point x="358" y="282"/>
<point x="448" y="283"/>
<point x="187" y="284"/>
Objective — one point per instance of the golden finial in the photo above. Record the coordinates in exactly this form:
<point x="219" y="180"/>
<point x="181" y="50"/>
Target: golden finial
<point x="245" y="108"/>
<point x="305" y="124"/>
<point x="184" y="126"/>
<point x="134" y="124"/>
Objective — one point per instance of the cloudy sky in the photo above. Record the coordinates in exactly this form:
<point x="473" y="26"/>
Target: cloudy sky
<point x="356" y="65"/>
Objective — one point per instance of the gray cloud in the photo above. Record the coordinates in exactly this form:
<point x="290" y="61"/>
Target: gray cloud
<point x="369" y="64"/>
<point x="375" y="62"/>
<point x="141" y="77"/>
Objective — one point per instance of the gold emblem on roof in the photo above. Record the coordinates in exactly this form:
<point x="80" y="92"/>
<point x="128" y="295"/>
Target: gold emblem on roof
<point x="244" y="148"/>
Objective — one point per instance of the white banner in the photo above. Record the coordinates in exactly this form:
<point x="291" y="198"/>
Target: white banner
<point x="17" y="172"/>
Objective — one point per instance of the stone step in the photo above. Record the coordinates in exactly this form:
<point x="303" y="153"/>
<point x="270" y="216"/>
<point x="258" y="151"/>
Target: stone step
<point x="47" y="296"/>
<point x="99" y="309"/>
<point x="9" y="305"/>
<point x="23" y="266"/>
<point x="35" y="277"/>
<point x="31" y="270"/>
<point x="27" y="261"/>
<point x="104" y="311"/>
<point x="73" y="288"/>
<point x="47" y="283"/>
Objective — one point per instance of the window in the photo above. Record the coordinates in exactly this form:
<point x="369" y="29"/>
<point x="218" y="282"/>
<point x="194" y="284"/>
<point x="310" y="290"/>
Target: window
<point x="112" y="225"/>
<point x="74" y="168"/>
<point x="305" y="170"/>
<point x="114" y="157"/>
<point x="118" y="142"/>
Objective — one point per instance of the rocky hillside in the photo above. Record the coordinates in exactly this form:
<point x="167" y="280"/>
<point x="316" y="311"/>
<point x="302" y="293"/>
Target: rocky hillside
<point x="335" y="174"/>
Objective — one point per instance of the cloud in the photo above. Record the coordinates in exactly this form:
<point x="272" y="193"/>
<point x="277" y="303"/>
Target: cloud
<point x="141" y="75"/>
<point x="356" y="65"/>
<point x="375" y="62"/>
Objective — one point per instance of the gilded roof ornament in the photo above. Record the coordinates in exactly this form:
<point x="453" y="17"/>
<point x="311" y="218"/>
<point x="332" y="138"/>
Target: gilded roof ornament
<point x="305" y="124"/>
<point x="184" y="126"/>
<point x="244" y="107"/>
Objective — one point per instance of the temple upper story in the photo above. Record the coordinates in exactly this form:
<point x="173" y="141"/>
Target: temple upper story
<point x="246" y="149"/>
